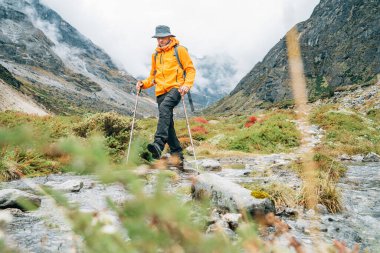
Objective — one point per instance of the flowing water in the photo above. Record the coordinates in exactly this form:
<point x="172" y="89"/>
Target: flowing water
<point x="360" y="221"/>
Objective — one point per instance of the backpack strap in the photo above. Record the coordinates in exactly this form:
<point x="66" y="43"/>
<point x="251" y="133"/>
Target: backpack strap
<point x="184" y="76"/>
<point x="176" y="56"/>
<point x="155" y="63"/>
<point x="179" y="60"/>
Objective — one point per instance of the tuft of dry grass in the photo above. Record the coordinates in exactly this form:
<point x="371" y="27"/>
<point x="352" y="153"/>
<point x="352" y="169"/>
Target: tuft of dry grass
<point x="280" y="194"/>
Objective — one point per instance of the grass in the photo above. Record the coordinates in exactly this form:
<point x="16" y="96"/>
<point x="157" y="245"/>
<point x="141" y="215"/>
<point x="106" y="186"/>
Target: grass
<point x="326" y="178"/>
<point x="276" y="133"/>
<point x="348" y="132"/>
<point x="269" y="133"/>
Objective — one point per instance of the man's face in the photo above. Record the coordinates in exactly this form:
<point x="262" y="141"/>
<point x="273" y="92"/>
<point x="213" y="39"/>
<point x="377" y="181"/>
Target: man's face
<point x="163" y="41"/>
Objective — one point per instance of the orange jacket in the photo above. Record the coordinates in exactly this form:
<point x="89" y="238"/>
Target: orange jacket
<point x="168" y="71"/>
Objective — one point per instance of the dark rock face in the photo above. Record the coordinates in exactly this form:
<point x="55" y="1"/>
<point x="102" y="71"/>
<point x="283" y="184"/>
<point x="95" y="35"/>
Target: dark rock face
<point x="8" y="77"/>
<point x="340" y="46"/>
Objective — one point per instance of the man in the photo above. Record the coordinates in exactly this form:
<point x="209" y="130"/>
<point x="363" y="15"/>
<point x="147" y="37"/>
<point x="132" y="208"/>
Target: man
<point x="173" y="80"/>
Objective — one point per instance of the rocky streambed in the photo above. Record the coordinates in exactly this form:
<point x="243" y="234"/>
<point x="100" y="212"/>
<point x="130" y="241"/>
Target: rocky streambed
<point x="47" y="230"/>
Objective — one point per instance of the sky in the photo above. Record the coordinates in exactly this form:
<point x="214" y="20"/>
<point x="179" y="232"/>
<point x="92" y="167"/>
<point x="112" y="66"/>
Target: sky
<point x="242" y="29"/>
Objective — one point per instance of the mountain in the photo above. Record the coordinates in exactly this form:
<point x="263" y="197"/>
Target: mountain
<point x="215" y="76"/>
<point x="57" y="66"/>
<point x="340" y="45"/>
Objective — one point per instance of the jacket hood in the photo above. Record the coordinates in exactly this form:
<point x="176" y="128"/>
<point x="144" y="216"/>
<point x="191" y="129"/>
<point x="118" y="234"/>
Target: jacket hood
<point x="172" y="43"/>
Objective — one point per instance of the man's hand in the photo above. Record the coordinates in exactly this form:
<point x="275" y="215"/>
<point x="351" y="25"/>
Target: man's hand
<point x="183" y="90"/>
<point x="139" y="84"/>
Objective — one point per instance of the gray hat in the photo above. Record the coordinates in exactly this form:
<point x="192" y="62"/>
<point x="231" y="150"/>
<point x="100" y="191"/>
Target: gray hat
<point x="162" y="31"/>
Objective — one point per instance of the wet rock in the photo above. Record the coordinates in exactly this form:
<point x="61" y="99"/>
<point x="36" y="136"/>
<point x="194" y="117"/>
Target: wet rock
<point x="190" y="150"/>
<point x="371" y="157"/>
<point x="221" y="226"/>
<point x="211" y="165"/>
<point x="230" y="196"/>
<point x="301" y="225"/>
<point x="310" y="213"/>
<point x="289" y="212"/>
<point x="321" y="209"/>
<point x="345" y="157"/>
<point x="214" y="217"/>
<point x="357" y="158"/>
<point x="306" y="231"/>
<point x="5" y="218"/>
<point x="330" y="219"/>
<point x="68" y="186"/>
<point x="13" y="198"/>
<point x="232" y="220"/>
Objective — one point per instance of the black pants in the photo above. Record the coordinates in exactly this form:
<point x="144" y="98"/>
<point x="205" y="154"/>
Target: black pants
<point x="165" y="132"/>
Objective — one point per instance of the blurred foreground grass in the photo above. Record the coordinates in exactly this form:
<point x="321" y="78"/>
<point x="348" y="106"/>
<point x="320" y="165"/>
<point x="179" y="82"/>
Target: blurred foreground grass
<point x="154" y="222"/>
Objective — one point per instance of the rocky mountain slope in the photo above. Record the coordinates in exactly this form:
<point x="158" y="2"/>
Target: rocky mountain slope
<point x="13" y="100"/>
<point x="340" y="46"/>
<point x="57" y="66"/>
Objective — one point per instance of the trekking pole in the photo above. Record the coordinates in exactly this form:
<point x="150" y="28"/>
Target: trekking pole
<point x="188" y="128"/>
<point x="133" y="123"/>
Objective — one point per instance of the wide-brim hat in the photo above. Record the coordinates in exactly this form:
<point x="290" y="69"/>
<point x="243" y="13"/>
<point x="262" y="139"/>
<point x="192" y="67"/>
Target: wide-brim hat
<point x="162" y="31"/>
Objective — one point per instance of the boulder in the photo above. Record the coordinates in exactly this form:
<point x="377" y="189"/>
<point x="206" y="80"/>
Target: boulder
<point x="190" y="150"/>
<point x="68" y="186"/>
<point x="227" y="195"/>
<point x="371" y="157"/>
<point x="210" y="165"/>
<point x="13" y="198"/>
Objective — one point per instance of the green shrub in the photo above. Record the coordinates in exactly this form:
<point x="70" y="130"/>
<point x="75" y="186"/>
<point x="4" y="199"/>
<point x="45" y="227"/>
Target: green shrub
<point x="113" y="127"/>
<point x="374" y="114"/>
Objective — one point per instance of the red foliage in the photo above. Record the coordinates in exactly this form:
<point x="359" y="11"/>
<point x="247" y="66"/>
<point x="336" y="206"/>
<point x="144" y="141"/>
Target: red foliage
<point x="199" y="129"/>
<point x="200" y="120"/>
<point x="248" y="124"/>
<point x="252" y="119"/>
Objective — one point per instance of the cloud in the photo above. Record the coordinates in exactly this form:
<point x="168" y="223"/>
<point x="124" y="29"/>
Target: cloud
<point x="245" y="30"/>
<point x="70" y="55"/>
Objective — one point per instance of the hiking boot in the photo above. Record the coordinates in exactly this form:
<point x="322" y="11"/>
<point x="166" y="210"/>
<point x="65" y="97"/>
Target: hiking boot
<point x="155" y="149"/>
